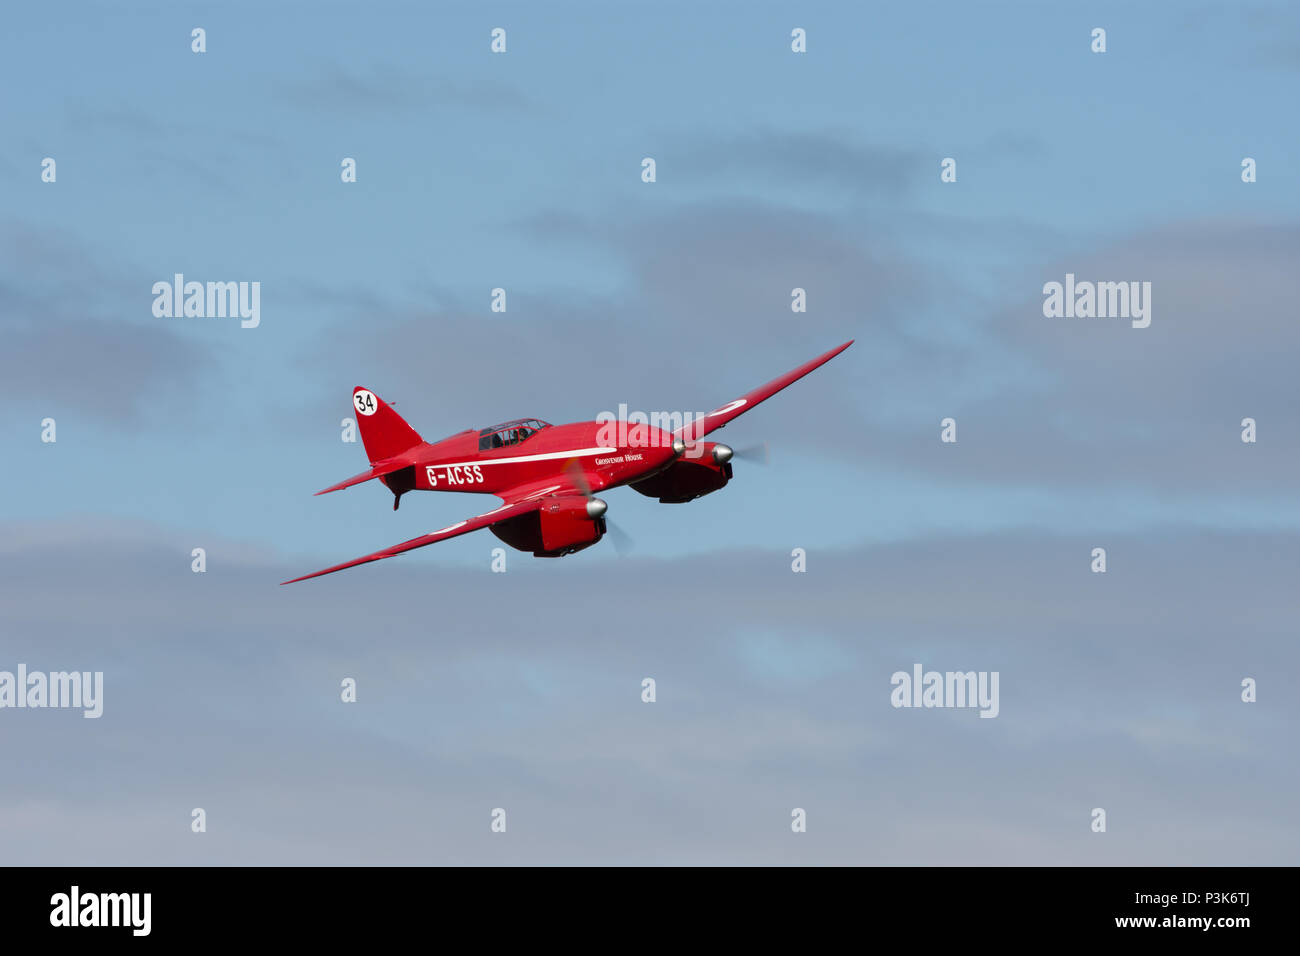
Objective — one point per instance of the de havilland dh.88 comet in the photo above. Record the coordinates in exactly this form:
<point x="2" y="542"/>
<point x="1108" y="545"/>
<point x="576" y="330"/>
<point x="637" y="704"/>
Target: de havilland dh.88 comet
<point x="547" y="475"/>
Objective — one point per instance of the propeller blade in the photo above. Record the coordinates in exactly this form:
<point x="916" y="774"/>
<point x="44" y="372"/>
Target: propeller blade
<point x="575" y="473"/>
<point x="754" y="453"/>
<point x="622" y="541"/>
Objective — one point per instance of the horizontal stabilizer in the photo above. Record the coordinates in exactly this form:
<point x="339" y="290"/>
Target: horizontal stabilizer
<point x="385" y="467"/>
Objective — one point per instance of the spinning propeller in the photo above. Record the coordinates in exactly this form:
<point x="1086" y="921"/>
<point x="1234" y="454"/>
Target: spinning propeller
<point x="596" y="508"/>
<point x="755" y="454"/>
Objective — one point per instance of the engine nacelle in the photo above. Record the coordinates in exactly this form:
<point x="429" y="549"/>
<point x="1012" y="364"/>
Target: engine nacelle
<point x="561" y="526"/>
<point x="703" y="468"/>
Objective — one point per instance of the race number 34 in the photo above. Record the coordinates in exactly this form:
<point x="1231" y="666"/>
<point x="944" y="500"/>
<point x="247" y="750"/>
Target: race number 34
<point x="365" y="401"/>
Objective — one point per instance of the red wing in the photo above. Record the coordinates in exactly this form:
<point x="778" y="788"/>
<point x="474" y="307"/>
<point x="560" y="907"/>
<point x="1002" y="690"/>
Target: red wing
<point x="459" y="528"/>
<point x="720" y="416"/>
<point x="561" y="485"/>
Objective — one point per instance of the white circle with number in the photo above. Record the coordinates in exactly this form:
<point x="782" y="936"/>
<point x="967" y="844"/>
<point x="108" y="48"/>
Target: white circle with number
<point x="365" y="401"/>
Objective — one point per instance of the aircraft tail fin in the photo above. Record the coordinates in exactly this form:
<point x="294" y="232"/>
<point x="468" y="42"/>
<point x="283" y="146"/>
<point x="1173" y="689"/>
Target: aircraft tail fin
<point x="383" y="431"/>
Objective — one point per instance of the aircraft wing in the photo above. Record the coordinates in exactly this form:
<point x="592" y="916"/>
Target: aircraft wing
<point x="720" y="416"/>
<point x="509" y="510"/>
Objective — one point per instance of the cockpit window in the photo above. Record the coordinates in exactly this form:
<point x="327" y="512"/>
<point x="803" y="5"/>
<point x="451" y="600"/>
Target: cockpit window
<point x="509" y="433"/>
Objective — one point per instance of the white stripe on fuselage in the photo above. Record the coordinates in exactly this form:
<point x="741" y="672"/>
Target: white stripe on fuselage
<point x="576" y="453"/>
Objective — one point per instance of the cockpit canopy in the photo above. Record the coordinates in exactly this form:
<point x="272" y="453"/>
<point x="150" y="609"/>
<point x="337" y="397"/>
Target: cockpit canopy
<point x="509" y="433"/>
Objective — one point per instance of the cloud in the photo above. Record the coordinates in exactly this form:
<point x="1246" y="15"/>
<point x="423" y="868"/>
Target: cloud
<point x="878" y="179"/>
<point x="522" y="690"/>
<point x="792" y="162"/>
<point x="386" y="88"/>
<point x="1164" y="404"/>
<point x="75" y="335"/>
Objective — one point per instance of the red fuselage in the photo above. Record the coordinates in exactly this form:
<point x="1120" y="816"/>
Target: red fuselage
<point x="546" y="457"/>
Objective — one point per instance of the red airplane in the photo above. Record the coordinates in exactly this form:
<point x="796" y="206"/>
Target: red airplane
<point x="546" y="474"/>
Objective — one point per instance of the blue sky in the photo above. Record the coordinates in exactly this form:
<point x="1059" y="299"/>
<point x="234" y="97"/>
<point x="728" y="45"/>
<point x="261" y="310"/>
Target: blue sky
<point x="775" y="170"/>
<point x="225" y="165"/>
